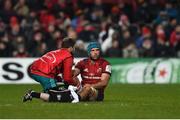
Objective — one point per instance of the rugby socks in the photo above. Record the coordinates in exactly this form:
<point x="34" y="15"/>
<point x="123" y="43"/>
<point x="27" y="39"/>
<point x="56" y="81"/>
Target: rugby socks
<point x="74" y="94"/>
<point x="35" y="94"/>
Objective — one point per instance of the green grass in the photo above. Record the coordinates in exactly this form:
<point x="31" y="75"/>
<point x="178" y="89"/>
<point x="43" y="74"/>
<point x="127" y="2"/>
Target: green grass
<point x="121" y="101"/>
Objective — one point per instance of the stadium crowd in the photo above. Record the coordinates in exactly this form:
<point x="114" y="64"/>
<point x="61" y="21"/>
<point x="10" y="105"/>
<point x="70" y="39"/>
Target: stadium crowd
<point x="125" y="28"/>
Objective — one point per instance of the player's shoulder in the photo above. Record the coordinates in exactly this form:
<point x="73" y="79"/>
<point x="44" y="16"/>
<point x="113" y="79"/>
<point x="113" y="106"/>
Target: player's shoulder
<point x="85" y="60"/>
<point x="82" y="62"/>
<point x="64" y="52"/>
<point x="104" y="61"/>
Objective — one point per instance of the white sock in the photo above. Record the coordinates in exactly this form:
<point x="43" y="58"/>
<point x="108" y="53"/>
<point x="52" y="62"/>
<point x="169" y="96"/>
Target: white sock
<point x="74" y="94"/>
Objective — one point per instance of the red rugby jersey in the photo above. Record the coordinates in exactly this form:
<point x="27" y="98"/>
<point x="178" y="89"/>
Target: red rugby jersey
<point x="53" y="63"/>
<point x="91" y="71"/>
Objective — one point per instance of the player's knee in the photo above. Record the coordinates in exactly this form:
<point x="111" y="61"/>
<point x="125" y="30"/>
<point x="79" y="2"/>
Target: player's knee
<point x="84" y="93"/>
<point x="87" y="88"/>
<point x="89" y="93"/>
<point x="93" y="94"/>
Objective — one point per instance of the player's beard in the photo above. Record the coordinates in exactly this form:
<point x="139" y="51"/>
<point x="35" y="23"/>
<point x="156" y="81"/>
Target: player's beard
<point x="95" y="58"/>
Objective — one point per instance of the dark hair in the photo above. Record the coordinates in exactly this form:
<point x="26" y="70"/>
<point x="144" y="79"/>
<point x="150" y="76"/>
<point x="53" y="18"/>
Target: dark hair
<point x="68" y="42"/>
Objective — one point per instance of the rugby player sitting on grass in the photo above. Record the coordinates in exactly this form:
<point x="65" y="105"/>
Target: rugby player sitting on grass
<point x="95" y="73"/>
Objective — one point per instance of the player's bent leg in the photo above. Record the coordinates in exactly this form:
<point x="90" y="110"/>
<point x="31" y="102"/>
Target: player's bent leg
<point x="93" y="94"/>
<point x="47" y="83"/>
<point x="88" y="94"/>
<point x="44" y="97"/>
<point x="100" y="97"/>
<point x="30" y="95"/>
<point x="84" y="93"/>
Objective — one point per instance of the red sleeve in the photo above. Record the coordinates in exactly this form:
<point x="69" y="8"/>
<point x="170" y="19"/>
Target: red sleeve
<point x="67" y="70"/>
<point x="106" y="68"/>
<point x="79" y="65"/>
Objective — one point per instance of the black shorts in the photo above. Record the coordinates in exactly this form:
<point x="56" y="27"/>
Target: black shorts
<point x="60" y="96"/>
<point x="100" y="96"/>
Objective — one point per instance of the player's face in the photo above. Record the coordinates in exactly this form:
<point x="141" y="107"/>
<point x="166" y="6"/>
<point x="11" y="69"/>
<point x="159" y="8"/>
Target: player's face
<point x="95" y="53"/>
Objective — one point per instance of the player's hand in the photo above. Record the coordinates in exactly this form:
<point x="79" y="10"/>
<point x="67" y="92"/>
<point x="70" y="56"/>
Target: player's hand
<point x="87" y="85"/>
<point x="76" y="81"/>
<point x="59" y="78"/>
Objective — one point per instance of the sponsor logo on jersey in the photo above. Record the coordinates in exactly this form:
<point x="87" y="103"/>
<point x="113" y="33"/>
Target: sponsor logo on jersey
<point x="85" y="70"/>
<point x="92" y="77"/>
<point x="91" y="74"/>
<point x="51" y="57"/>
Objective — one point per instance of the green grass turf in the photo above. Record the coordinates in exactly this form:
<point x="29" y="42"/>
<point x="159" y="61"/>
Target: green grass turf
<point x="121" y="101"/>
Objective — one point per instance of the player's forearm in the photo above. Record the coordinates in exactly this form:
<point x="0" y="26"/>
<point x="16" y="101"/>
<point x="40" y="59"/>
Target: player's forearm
<point x="99" y="85"/>
<point x="76" y="72"/>
<point x="103" y="82"/>
<point x="67" y="76"/>
<point x="67" y="73"/>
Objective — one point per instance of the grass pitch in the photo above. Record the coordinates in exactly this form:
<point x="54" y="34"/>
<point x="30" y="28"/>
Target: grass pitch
<point x="121" y="101"/>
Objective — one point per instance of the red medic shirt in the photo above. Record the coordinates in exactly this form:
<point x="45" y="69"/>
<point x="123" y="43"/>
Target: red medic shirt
<point x="53" y="63"/>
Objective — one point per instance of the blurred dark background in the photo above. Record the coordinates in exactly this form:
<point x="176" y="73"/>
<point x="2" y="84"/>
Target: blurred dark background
<point x="125" y="28"/>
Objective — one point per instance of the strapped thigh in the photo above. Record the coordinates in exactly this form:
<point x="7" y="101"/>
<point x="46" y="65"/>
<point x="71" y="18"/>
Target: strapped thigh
<point x="94" y="94"/>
